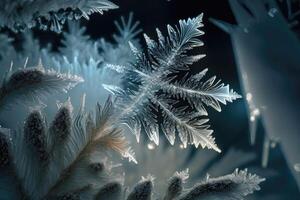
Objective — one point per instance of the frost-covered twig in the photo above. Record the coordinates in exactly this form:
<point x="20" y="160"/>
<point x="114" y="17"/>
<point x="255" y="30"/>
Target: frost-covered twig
<point x="21" y="14"/>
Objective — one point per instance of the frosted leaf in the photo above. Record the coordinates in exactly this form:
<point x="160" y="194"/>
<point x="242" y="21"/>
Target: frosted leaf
<point x="153" y="89"/>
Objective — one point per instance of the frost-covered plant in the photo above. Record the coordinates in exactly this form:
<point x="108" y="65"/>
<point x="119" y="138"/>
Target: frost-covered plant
<point x="68" y="156"/>
<point x="154" y="89"/>
<point x="34" y="156"/>
<point x="197" y="165"/>
<point x="44" y="14"/>
<point x="27" y="84"/>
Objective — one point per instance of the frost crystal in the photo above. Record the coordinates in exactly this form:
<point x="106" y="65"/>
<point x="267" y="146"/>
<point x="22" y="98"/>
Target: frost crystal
<point x="21" y="14"/>
<point x="153" y="89"/>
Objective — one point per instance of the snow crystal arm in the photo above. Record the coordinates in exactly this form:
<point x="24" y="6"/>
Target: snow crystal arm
<point x="170" y="53"/>
<point x="127" y="31"/>
<point x="119" y="52"/>
<point x="211" y="92"/>
<point x="19" y="15"/>
<point x="198" y="134"/>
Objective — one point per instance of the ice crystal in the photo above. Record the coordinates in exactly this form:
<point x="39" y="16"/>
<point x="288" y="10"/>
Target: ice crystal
<point x="21" y="14"/>
<point x="154" y="88"/>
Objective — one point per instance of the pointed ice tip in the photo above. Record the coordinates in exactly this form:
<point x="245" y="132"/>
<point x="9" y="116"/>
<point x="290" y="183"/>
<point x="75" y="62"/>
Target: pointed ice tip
<point x="201" y="16"/>
<point x="132" y="47"/>
<point x="115" y="6"/>
<point x="218" y="150"/>
<point x="225" y="26"/>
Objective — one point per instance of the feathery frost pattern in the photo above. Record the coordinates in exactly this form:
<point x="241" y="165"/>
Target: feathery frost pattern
<point x="155" y="90"/>
<point x="149" y="158"/>
<point x="44" y="14"/>
<point x="82" y="141"/>
<point x="234" y="186"/>
<point x="29" y="84"/>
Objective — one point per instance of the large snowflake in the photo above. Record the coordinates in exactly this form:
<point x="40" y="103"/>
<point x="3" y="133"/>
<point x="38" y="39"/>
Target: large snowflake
<point x="155" y="97"/>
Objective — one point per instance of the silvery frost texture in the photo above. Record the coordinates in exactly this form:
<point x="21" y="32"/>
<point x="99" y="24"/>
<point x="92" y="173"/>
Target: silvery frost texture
<point x="43" y="14"/>
<point x="87" y="141"/>
<point x="257" y="21"/>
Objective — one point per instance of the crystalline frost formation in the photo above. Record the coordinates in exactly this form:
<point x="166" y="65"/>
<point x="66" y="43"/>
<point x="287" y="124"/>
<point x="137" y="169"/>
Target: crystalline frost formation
<point x="153" y="88"/>
<point x="44" y="14"/>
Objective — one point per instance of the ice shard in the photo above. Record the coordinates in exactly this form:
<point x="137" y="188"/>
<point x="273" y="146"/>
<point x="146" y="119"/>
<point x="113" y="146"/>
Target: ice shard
<point x="267" y="55"/>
